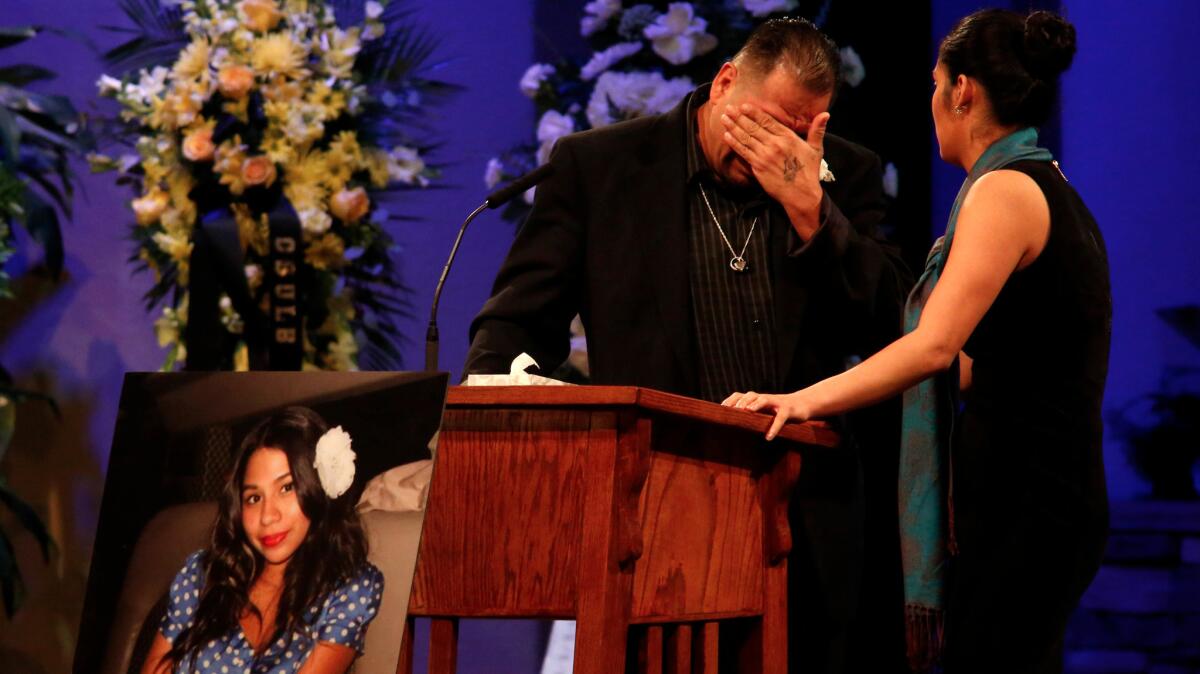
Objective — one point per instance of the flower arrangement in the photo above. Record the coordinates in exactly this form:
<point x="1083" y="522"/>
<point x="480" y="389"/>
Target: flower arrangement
<point x="240" y="108"/>
<point x="645" y="58"/>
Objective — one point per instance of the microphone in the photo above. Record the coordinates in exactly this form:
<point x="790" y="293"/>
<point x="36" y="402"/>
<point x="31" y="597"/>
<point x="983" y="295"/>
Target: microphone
<point x="494" y="200"/>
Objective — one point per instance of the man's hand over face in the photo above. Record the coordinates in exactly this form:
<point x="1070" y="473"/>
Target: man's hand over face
<point x="787" y="166"/>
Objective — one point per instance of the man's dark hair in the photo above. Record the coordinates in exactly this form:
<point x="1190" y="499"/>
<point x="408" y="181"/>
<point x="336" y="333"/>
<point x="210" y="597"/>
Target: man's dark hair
<point x="798" y="45"/>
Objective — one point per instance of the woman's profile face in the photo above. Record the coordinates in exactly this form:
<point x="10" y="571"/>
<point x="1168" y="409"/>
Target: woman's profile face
<point x="271" y="515"/>
<point x="939" y="105"/>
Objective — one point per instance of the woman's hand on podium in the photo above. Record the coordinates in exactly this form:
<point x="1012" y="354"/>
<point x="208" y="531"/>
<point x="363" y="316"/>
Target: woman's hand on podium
<point x="786" y="406"/>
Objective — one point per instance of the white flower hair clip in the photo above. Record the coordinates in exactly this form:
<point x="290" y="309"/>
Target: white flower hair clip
<point x="335" y="462"/>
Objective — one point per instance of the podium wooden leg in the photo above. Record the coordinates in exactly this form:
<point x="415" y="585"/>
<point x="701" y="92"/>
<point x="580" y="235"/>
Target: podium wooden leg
<point x="443" y="646"/>
<point x="615" y="471"/>
<point x="405" y="664"/>
<point x="679" y="650"/>
<point x="704" y="648"/>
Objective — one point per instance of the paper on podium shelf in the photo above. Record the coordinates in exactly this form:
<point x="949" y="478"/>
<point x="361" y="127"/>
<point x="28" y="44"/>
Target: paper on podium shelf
<point x="517" y="376"/>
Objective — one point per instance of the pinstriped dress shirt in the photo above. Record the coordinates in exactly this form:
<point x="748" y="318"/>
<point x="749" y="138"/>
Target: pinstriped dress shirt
<point x="732" y="312"/>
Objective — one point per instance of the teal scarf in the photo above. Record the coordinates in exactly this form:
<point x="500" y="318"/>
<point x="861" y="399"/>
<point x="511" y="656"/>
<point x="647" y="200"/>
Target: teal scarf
<point x="925" y="513"/>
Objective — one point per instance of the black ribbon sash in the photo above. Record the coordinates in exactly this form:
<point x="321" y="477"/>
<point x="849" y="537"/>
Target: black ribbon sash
<point x="275" y="341"/>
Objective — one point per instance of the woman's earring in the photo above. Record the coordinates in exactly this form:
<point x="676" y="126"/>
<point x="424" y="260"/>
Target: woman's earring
<point x="958" y="110"/>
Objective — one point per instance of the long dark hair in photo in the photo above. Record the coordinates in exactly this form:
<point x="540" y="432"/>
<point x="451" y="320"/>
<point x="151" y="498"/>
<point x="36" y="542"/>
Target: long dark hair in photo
<point x="333" y="550"/>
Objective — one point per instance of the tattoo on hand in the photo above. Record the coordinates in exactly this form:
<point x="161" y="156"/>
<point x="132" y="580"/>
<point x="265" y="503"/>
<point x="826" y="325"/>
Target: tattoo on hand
<point x="790" y="166"/>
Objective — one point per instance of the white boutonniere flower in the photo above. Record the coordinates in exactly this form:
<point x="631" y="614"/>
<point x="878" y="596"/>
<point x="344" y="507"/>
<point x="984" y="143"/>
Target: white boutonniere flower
<point x="826" y="174"/>
<point x="335" y="462"/>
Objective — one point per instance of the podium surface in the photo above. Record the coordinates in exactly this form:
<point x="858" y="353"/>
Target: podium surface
<point x="657" y="522"/>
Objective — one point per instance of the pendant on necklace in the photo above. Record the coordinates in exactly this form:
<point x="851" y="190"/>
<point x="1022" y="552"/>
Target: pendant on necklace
<point x="737" y="263"/>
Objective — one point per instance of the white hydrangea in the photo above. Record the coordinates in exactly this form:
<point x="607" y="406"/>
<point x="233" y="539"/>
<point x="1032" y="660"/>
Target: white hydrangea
<point x="632" y="95"/>
<point x="765" y="7"/>
<point x="678" y="36"/>
<point x="596" y="15"/>
<point x="853" y="71"/>
<point x="532" y="80"/>
<point x="603" y="60"/>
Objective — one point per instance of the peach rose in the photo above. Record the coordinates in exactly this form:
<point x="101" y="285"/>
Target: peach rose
<point x="350" y="205"/>
<point x="150" y="207"/>
<point x="260" y="15"/>
<point x="235" y="81"/>
<point x="259" y="170"/>
<point x="198" y="145"/>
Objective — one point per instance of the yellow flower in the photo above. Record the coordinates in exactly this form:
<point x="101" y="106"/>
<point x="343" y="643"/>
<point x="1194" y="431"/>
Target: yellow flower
<point x="253" y="233"/>
<point x="179" y="186"/>
<point x="259" y="15"/>
<point x="193" y="61"/>
<point x="327" y="252"/>
<point x="150" y="207"/>
<point x="304" y="195"/>
<point x="179" y="108"/>
<point x="377" y="163"/>
<point x="278" y="54"/>
<point x="307" y="169"/>
<point x="344" y="149"/>
<point x="342" y="354"/>
<point x="177" y="246"/>
<point x="331" y="101"/>
<point x="239" y="108"/>
<point x="341" y="48"/>
<point x="228" y="164"/>
<point x="278" y="146"/>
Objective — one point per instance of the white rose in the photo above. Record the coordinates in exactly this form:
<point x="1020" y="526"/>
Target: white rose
<point x="853" y="71"/>
<point x="335" y="462"/>
<point x="314" y="221"/>
<point x="891" y="180"/>
<point x="532" y="80"/>
<point x="405" y="165"/>
<point x="596" y="15"/>
<point x="678" y="36"/>
<point x="765" y="7"/>
<point x="493" y="173"/>
<point x="554" y="125"/>
<point x="630" y="95"/>
<point x="603" y="60"/>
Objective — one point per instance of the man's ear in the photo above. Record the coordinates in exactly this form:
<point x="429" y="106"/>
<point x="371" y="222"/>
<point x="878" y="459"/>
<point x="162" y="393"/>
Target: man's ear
<point x="723" y="82"/>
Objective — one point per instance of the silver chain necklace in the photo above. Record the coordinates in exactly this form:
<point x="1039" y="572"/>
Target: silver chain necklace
<point x="738" y="261"/>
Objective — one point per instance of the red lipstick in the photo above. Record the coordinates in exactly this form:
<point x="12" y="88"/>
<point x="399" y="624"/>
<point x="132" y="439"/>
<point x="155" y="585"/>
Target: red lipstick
<point x="273" y="540"/>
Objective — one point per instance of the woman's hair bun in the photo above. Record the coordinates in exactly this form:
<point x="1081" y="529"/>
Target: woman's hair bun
<point x="1049" y="45"/>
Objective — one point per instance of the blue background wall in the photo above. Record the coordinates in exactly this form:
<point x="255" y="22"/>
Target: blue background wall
<point x="1129" y="145"/>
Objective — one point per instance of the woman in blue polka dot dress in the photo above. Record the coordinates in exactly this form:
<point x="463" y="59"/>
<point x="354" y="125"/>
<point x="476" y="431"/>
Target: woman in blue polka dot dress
<point x="284" y="585"/>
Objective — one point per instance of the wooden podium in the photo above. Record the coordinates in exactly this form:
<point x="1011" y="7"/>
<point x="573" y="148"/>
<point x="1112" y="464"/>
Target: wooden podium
<point x="657" y="522"/>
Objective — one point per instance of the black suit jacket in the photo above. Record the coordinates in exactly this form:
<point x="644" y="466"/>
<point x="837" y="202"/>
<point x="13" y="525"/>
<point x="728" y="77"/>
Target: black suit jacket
<point x="608" y="239"/>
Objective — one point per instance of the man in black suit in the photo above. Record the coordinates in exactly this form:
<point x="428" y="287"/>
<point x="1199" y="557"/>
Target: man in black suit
<point x="705" y="254"/>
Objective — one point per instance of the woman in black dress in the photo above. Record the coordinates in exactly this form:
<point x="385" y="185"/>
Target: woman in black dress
<point x="1015" y="310"/>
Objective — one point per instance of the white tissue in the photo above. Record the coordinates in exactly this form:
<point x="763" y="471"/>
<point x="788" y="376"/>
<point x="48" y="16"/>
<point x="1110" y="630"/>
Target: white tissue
<point x="517" y="375"/>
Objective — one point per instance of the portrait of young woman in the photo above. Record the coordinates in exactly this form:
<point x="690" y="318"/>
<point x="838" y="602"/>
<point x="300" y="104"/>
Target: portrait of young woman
<point x="284" y="584"/>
